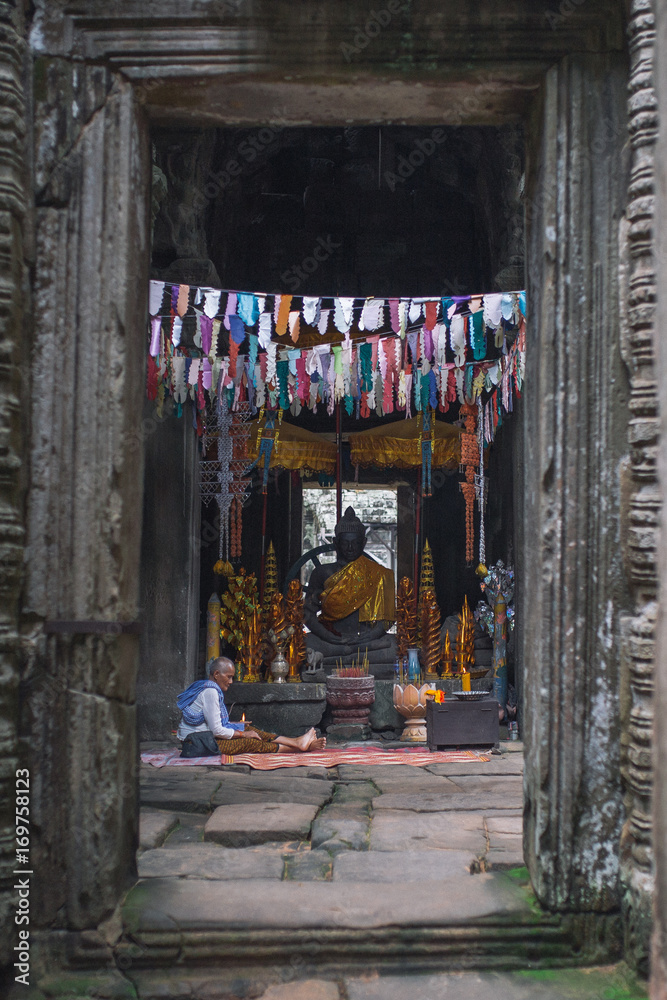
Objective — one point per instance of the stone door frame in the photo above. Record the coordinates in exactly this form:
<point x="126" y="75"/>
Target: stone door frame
<point x="219" y="67"/>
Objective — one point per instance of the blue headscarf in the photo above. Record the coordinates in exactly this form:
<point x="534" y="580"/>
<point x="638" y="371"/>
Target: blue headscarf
<point x="186" y="698"/>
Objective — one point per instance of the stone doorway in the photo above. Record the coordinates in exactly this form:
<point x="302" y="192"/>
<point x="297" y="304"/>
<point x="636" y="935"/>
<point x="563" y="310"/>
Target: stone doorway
<point x="572" y="449"/>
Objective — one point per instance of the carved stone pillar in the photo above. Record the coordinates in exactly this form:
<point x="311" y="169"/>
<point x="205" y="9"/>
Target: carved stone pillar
<point x="659" y="947"/>
<point x="12" y="288"/>
<point x="85" y="498"/>
<point x="572" y="586"/>
<point x="643" y="509"/>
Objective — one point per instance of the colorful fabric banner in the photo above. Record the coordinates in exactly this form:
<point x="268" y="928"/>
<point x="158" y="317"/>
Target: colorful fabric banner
<point x="380" y="355"/>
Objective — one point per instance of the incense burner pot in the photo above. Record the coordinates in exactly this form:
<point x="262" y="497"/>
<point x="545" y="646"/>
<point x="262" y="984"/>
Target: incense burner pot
<point x="410" y="702"/>
<point x="351" y="698"/>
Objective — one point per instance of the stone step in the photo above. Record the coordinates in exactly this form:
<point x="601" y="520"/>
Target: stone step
<point x="562" y="982"/>
<point x="459" y="922"/>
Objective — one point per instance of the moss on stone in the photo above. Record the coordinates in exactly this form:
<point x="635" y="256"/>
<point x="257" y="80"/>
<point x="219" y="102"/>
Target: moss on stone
<point x="601" y="983"/>
<point x="84" y="986"/>
<point x="520" y="874"/>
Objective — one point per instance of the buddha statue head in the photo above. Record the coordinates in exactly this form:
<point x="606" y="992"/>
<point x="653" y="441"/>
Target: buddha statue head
<point x="350" y="537"/>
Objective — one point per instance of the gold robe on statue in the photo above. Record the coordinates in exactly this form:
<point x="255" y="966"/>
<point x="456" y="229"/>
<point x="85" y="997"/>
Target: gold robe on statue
<point x="363" y="586"/>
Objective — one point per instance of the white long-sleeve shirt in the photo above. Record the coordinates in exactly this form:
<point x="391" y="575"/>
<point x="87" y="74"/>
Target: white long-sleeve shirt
<point x="207" y="701"/>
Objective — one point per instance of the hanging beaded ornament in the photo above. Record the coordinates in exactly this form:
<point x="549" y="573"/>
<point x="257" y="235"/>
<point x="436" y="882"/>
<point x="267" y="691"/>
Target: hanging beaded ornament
<point x="225" y="479"/>
<point x="469" y="462"/>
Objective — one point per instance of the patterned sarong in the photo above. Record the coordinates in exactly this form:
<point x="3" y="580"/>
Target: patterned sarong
<point x="242" y="744"/>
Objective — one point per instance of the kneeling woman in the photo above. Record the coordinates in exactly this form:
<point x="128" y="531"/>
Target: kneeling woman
<point x="205" y="729"/>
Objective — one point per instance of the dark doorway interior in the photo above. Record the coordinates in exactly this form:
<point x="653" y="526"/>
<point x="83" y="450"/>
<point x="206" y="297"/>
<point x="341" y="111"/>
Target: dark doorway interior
<point x="396" y="211"/>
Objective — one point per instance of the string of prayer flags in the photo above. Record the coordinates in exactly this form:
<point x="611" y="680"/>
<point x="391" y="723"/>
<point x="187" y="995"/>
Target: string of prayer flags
<point x="376" y="356"/>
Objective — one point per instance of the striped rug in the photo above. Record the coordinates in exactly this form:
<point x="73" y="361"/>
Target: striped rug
<point x="325" y="758"/>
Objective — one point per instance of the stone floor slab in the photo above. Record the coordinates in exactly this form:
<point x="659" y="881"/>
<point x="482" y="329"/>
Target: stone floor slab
<point x="406" y="866"/>
<point x="397" y="830"/>
<point x="237" y="789"/>
<point x="505" y="824"/>
<point x="189" y="905"/>
<point x="244" y="825"/>
<point x="190" y="830"/>
<point x="154" y="827"/>
<point x="511" y="783"/>
<point x="361" y="772"/>
<point x="347" y="826"/>
<point x="308" y="866"/>
<point x="208" y="861"/>
<point x="449" y="801"/>
<point x="556" y="984"/>
<point x="504" y="859"/>
<point x="391" y="779"/>
<point x="308" y="989"/>
<point x="357" y="792"/>
<point x="177" y="790"/>
<point x="504" y="764"/>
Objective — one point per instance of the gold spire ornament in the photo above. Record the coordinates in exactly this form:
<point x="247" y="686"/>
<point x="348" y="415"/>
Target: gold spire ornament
<point x="447" y="657"/>
<point x="464" y="653"/>
<point x="427" y="574"/>
<point x="277" y="614"/>
<point x="406" y="618"/>
<point x="469" y="637"/>
<point x="430" y="630"/>
<point x="296" y="650"/>
<point x="426" y="582"/>
<point x="270" y="578"/>
<point x="253" y="646"/>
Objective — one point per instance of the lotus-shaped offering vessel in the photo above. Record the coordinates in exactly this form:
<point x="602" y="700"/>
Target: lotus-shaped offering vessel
<point x="410" y="701"/>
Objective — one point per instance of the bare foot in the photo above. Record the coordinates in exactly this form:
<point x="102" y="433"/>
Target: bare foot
<point x="303" y="742"/>
<point x="318" y="744"/>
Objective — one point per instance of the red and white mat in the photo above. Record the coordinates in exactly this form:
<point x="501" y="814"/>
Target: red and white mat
<point x="324" y="758"/>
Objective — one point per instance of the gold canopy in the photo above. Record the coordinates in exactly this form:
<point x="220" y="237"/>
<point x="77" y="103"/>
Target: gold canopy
<point x="296" y="449"/>
<point x="398" y="446"/>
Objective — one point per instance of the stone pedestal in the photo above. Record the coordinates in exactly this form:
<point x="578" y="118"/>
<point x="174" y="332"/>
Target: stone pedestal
<point x="344" y="732"/>
<point x="285" y="709"/>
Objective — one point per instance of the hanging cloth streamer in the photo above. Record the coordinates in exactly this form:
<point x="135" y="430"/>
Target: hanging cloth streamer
<point x="311" y="309"/>
<point x="343" y="314"/>
<point x="283" y="315"/>
<point x="294" y="326"/>
<point x="155" y="296"/>
<point x="230" y="309"/>
<point x="323" y="322"/>
<point x="211" y="303"/>
<point x="247" y="308"/>
<point x="265" y="330"/>
<point x="156" y="331"/>
<point x="183" y="299"/>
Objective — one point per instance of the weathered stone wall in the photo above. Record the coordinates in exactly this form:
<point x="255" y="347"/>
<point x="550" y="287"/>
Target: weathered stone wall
<point x="91" y="168"/>
<point x="571" y="581"/>
<point x="659" y="948"/>
<point x="170" y="549"/>
<point x="643" y="500"/>
<point x="13" y="287"/>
